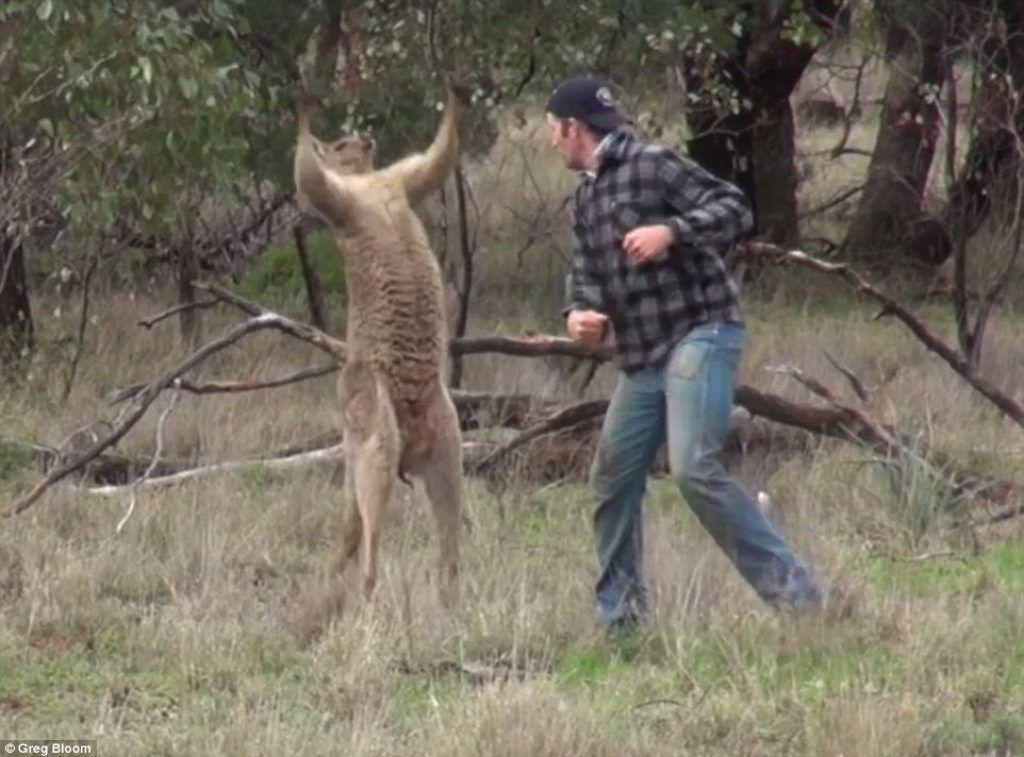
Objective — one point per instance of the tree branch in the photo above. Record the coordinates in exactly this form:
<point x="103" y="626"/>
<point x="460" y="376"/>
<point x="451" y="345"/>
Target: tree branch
<point x="773" y="254"/>
<point x="534" y="347"/>
<point x="327" y="454"/>
<point x="165" y="314"/>
<point x="230" y="387"/>
<point x="146" y="397"/>
<point x="563" y="419"/>
<point x="302" y="331"/>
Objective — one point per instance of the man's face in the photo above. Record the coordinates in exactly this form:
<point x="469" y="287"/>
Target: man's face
<point x="567" y="139"/>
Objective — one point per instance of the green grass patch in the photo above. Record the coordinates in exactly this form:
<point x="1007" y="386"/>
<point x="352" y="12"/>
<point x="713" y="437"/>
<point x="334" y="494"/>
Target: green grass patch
<point x="584" y="665"/>
<point x="961" y="574"/>
<point x="14" y="458"/>
<point x="276" y="276"/>
<point x="979" y="733"/>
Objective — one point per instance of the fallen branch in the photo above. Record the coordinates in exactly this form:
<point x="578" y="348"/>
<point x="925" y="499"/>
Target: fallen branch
<point x="563" y="419"/>
<point x="855" y="383"/>
<point x="1008" y="514"/>
<point x="774" y="254"/>
<point x="882" y="439"/>
<point x="152" y="466"/>
<point x="327" y="454"/>
<point x="817" y="420"/>
<point x="145" y="398"/>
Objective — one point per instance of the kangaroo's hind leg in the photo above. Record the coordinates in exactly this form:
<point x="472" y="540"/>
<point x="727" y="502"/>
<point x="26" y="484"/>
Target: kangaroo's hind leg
<point x="440" y="469"/>
<point x="372" y="457"/>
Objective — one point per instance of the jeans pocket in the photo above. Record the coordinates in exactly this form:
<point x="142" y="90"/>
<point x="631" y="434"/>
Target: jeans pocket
<point x="688" y="359"/>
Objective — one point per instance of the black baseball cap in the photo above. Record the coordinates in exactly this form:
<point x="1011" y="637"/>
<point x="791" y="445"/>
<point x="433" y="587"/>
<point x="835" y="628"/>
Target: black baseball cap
<point x="587" y="100"/>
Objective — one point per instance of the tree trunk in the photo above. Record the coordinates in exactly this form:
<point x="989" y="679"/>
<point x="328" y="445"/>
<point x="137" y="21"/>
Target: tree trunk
<point x="754" y="148"/>
<point x="314" y="290"/>
<point x="188" y="272"/>
<point x="775" y="176"/>
<point x="465" y="288"/>
<point x="993" y="159"/>
<point x="16" y="328"/>
<point x="890" y="205"/>
<point x="722" y="143"/>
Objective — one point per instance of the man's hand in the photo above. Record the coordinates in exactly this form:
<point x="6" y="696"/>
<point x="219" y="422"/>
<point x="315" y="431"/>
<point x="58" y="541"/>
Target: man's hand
<point x="646" y="244"/>
<point x="587" y="326"/>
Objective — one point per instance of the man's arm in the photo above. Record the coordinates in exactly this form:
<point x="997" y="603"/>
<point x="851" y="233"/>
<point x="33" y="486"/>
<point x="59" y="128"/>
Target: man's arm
<point x="711" y="212"/>
<point x="583" y="290"/>
<point x="585" y="311"/>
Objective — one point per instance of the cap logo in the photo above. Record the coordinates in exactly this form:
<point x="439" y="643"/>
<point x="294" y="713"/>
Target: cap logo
<point x="604" y="96"/>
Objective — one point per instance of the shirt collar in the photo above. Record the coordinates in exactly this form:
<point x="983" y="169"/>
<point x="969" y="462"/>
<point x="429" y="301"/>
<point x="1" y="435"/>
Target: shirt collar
<point x="612" y="146"/>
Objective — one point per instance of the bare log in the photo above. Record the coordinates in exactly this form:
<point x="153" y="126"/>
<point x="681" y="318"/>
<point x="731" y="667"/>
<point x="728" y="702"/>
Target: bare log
<point x="824" y="421"/>
<point x="328" y="454"/>
<point x="777" y="255"/>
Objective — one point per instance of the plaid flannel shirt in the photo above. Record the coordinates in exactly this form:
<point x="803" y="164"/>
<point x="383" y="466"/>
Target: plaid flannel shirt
<point x="652" y="306"/>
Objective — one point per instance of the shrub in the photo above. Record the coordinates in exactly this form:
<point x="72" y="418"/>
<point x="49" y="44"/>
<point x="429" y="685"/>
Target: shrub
<point x="276" y="276"/>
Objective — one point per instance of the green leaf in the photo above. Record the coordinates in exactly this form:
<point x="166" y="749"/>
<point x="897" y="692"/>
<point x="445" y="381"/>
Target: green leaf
<point x="147" y="69"/>
<point x="189" y="87"/>
<point x="44" y="10"/>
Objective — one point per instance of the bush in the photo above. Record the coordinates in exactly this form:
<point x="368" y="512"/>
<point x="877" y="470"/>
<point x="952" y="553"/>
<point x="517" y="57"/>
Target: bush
<point x="13" y="458"/>
<point x="276" y="276"/>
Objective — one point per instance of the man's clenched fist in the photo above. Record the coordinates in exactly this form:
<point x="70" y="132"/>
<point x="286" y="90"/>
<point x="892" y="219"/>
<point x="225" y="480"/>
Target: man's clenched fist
<point x="587" y="326"/>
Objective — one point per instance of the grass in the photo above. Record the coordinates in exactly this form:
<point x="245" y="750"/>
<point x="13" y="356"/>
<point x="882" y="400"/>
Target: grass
<point x="180" y="635"/>
<point x="189" y="633"/>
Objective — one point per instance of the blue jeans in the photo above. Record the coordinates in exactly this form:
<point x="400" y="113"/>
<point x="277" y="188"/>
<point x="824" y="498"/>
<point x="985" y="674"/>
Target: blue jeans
<point x="687" y="402"/>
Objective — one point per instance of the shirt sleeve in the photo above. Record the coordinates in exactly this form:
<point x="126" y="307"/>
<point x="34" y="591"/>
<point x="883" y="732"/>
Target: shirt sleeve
<point x="711" y="212"/>
<point x="583" y="290"/>
<point x="583" y="287"/>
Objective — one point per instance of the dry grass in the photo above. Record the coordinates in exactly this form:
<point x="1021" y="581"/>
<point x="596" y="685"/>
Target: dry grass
<point x="191" y="631"/>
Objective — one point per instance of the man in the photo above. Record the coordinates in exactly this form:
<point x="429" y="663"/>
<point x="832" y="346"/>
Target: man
<point x="649" y="226"/>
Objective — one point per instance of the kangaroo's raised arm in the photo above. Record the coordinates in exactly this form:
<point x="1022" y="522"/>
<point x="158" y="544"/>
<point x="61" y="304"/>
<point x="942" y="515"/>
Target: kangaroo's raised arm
<point x="318" y="189"/>
<point x="425" y="172"/>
